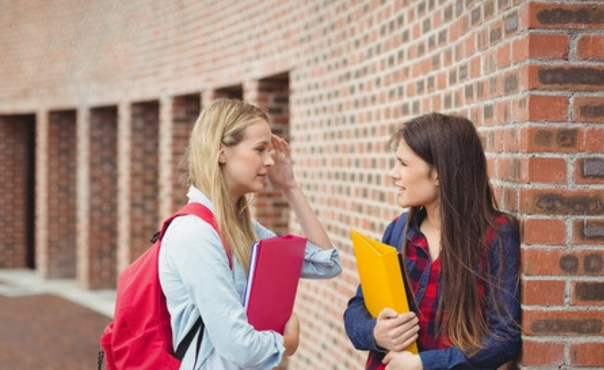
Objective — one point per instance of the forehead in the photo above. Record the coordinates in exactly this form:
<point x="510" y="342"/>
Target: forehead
<point x="403" y="150"/>
<point x="257" y="130"/>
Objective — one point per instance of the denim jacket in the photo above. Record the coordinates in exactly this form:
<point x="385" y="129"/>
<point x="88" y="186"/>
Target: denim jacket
<point x="499" y="348"/>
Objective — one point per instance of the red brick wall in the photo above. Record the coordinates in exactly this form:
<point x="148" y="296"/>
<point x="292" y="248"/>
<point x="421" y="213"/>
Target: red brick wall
<point x="528" y="73"/>
<point x="16" y="157"/>
<point x="144" y="186"/>
<point x="185" y="110"/>
<point x="563" y="168"/>
<point x="102" y="223"/>
<point x="61" y="189"/>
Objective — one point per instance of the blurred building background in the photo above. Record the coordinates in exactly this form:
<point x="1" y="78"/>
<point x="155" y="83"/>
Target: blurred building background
<point x="97" y="98"/>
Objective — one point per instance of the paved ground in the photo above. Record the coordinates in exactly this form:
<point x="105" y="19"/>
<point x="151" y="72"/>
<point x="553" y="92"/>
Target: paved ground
<point x="50" y="325"/>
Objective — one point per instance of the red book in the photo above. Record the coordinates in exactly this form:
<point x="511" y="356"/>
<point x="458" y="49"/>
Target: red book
<point x="274" y="272"/>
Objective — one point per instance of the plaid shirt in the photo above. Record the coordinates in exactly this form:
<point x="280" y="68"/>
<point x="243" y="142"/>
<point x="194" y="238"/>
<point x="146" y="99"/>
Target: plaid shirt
<point x="424" y="280"/>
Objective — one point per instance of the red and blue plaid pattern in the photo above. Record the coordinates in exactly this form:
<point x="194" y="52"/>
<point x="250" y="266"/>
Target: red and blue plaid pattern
<point x="424" y="281"/>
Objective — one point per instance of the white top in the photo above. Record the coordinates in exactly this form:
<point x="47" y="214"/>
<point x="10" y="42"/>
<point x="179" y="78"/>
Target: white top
<point x="195" y="276"/>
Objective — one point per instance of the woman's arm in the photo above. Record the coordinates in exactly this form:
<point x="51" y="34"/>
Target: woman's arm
<point x="359" y="324"/>
<point x="282" y="177"/>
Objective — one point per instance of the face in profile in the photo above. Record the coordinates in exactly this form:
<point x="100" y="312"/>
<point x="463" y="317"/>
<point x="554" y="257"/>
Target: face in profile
<point x="415" y="180"/>
<point x="245" y="165"/>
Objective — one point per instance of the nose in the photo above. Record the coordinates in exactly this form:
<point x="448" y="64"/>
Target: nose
<point x="268" y="159"/>
<point x="393" y="172"/>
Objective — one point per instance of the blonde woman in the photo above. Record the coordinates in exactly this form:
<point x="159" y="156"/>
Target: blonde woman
<point x="232" y="153"/>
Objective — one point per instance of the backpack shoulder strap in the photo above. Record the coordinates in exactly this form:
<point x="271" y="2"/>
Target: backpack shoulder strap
<point x="203" y="212"/>
<point x="396" y="238"/>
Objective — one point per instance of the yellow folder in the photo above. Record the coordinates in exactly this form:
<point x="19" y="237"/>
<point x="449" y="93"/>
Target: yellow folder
<point x="381" y="277"/>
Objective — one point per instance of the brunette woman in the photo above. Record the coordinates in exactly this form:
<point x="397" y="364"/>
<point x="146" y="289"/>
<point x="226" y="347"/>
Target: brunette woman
<point x="460" y="252"/>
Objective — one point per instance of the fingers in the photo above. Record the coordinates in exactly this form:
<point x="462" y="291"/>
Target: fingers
<point x="280" y="145"/>
<point x="291" y="335"/>
<point x="406" y="332"/>
<point x="387" y="313"/>
<point x="395" y="332"/>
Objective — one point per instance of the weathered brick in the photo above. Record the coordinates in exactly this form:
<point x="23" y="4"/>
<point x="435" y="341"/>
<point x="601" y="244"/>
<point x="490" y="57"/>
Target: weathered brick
<point x="544" y="231"/>
<point x="562" y="78"/>
<point x="559" y="322"/>
<point x="551" y="262"/>
<point x="547" y="108"/>
<point x="546" y="139"/>
<point x="540" y="46"/>
<point x="588" y="232"/>
<point x="588" y="291"/>
<point x="547" y="15"/>
<point x="511" y="84"/>
<point x="594" y="140"/>
<point x="545" y="170"/>
<point x="591" y="46"/>
<point x="556" y="202"/>
<point x="589" y="170"/>
<point x="543" y="292"/>
<point x="587" y="354"/>
<point x="588" y="109"/>
<point x="542" y="353"/>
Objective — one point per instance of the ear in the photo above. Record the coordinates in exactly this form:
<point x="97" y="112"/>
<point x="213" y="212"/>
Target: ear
<point x="434" y="175"/>
<point x="221" y="155"/>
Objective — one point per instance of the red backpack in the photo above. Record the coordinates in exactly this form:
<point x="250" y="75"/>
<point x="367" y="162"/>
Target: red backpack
<point x="140" y="335"/>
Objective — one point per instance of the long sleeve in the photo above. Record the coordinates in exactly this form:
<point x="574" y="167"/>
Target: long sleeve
<point x="504" y="342"/>
<point x="196" y="279"/>
<point x="357" y="321"/>
<point x="318" y="263"/>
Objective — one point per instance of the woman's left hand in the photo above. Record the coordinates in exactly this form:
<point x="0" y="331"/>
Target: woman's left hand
<point x="403" y="360"/>
<point x="281" y="174"/>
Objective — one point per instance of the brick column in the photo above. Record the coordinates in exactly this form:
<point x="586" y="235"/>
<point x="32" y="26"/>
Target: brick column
<point x="165" y="170"/>
<point x="124" y="122"/>
<point x="41" y="227"/>
<point x="562" y="200"/>
<point x="61" y="196"/>
<point x="144" y="185"/>
<point x="16" y="185"/>
<point x="102" y="202"/>
<point x="185" y="110"/>
<point x="82" y="197"/>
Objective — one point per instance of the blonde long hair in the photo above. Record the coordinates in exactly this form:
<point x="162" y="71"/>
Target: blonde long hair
<point x="223" y="122"/>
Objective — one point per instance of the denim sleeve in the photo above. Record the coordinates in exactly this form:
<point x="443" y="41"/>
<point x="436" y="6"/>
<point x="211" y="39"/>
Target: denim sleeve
<point x="318" y="263"/>
<point x="504" y="343"/>
<point x="359" y="324"/>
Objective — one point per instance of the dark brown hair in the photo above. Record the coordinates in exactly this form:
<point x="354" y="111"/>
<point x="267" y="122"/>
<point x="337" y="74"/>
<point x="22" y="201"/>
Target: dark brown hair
<point x="467" y="210"/>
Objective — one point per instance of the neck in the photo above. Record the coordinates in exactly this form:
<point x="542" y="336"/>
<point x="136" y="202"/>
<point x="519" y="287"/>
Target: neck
<point x="432" y="220"/>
